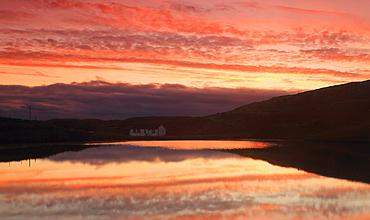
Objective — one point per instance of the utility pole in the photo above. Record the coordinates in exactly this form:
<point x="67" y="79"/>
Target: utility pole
<point x="29" y="113"/>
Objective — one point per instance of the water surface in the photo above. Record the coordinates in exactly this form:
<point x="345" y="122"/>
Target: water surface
<point x="173" y="180"/>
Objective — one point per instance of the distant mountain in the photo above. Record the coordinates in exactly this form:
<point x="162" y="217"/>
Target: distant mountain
<point x="336" y="113"/>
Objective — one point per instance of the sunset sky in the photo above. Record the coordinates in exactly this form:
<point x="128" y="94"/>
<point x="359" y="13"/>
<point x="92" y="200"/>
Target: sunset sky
<point x="118" y="59"/>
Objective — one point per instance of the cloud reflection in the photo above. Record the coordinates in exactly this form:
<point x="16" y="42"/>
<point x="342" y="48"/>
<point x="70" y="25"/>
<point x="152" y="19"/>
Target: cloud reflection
<point x="155" y="151"/>
<point x="237" y="199"/>
<point x="128" y="153"/>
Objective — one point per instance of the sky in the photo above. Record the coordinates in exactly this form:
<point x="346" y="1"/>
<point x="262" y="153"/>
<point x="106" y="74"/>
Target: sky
<point x="119" y="59"/>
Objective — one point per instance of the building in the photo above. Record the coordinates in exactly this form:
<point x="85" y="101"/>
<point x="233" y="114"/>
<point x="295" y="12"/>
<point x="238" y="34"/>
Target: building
<point x="141" y="132"/>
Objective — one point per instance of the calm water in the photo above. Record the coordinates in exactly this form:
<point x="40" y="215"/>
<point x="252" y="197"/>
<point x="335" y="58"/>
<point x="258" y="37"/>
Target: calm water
<point x="172" y="180"/>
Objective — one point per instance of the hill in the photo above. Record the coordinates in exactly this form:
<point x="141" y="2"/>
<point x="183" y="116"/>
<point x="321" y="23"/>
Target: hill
<point x="340" y="113"/>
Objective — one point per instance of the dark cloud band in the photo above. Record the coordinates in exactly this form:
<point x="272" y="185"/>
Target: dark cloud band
<point x="106" y="100"/>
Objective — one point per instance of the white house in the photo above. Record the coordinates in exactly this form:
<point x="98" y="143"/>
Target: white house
<point x="160" y="131"/>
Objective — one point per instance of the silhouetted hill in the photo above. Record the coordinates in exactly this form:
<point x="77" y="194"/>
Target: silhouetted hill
<point x="333" y="113"/>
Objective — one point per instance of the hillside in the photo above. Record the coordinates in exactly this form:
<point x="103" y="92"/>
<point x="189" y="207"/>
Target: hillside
<point x="333" y="113"/>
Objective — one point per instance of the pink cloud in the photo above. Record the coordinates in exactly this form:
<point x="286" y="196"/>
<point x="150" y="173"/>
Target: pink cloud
<point x="310" y="11"/>
<point x="250" y="4"/>
<point x="13" y="15"/>
<point x="336" y="54"/>
<point x="57" y="60"/>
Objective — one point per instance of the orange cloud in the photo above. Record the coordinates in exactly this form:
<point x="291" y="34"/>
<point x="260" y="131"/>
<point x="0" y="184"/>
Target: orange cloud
<point x="216" y="43"/>
<point x="45" y="59"/>
<point x="38" y="73"/>
<point x="309" y="12"/>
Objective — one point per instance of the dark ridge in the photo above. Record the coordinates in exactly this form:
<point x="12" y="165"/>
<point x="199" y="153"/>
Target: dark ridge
<point x="338" y="113"/>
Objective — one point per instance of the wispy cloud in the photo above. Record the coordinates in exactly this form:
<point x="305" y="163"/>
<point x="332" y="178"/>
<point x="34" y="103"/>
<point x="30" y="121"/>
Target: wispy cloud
<point x="250" y="4"/>
<point x="14" y="15"/>
<point x="38" y="73"/>
<point x="187" y="8"/>
<point x="27" y="59"/>
<point x="310" y="11"/>
<point x="295" y="10"/>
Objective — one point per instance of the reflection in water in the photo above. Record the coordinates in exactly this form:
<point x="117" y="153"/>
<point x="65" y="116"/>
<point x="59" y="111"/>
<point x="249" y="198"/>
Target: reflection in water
<point x="341" y="160"/>
<point x="126" y="182"/>
<point x="127" y="153"/>
<point x="192" y="144"/>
